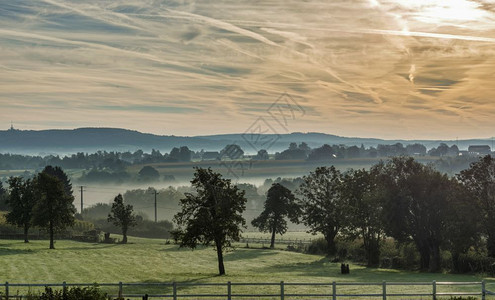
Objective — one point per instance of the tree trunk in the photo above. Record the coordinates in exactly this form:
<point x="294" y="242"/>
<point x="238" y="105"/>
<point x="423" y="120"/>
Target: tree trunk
<point x="490" y="244"/>
<point x="373" y="252"/>
<point x="124" y="233"/>
<point x="424" y="254"/>
<point x="52" y="244"/>
<point x="435" y="259"/>
<point x="221" y="268"/>
<point x="455" y="262"/>
<point x="272" y="243"/>
<point x="331" y="245"/>
<point x="26" y="228"/>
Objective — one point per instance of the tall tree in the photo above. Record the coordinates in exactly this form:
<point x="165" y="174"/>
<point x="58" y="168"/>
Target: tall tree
<point x="122" y="216"/>
<point x="21" y="201"/>
<point x="54" y="208"/>
<point x="280" y="204"/>
<point x="414" y="207"/>
<point x="479" y="180"/>
<point x="322" y="204"/>
<point x="62" y="176"/>
<point x="363" y="218"/>
<point x="212" y="215"/>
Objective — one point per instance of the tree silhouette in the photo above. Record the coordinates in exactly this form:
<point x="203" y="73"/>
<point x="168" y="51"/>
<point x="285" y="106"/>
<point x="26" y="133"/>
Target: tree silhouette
<point x="479" y="179"/>
<point x="122" y="216"/>
<point x="280" y="204"/>
<point x="212" y="215"/>
<point x="54" y="209"/>
<point x="322" y="205"/>
<point x="62" y="176"/>
<point x="21" y="202"/>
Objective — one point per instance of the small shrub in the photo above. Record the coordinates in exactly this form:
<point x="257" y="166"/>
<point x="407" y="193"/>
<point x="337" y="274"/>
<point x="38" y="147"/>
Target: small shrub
<point x="74" y="293"/>
<point x="317" y="246"/>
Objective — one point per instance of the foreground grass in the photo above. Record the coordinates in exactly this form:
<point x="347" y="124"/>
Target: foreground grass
<point x="148" y="260"/>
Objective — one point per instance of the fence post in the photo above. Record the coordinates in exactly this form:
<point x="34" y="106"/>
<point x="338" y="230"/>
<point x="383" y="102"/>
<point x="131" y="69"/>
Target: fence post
<point x="334" y="290"/>
<point x="229" y="291"/>
<point x="282" y="292"/>
<point x="483" y="290"/>
<point x="174" y="290"/>
<point x="120" y="290"/>
<point x="7" y="290"/>
<point x="64" y="288"/>
<point x="384" y="290"/>
<point x="434" y="284"/>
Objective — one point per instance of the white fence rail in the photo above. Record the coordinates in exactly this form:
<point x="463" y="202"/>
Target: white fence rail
<point x="226" y="290"/>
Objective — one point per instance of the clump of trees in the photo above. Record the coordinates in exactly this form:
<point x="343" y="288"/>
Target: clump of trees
<point x="45" y="201"/>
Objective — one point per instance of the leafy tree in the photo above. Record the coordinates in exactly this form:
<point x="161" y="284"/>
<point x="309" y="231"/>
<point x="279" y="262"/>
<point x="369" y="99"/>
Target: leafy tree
<point x="122" y="216"/>
<point x="479" y="180"/>
<point x="54" y="208"/>
<point x="21" y="202"/>
<point x="62" y="176"/>
<point x="212" y="215"/>
<point x="363" y="218"/>
<point x="280" y="204"/>
<point x="463" y="225"/>
<point x="414" y="207"/>
<point x="148" y="173"/>
<point x="321" y="203"/>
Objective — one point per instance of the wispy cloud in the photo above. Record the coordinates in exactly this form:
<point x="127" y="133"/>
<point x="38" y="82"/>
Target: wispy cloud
<point x="409" y="69"/>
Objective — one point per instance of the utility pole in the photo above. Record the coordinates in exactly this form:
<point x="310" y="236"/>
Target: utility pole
<point x="156" y="193"/>
<point x="82" y="203"/>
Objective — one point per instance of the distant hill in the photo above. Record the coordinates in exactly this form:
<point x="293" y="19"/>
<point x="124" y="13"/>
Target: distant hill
<point x="63" y="141"/>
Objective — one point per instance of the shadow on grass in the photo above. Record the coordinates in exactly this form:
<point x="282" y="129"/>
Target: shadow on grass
<point x="246" y="253"/>
<point x="320" y="268"/>
<point x="176" y="248"/>
<point x="94" y="246"/>
<point x="10" y="251"/>
<point x="183" y="286"/>
<point x="326" y="269"/>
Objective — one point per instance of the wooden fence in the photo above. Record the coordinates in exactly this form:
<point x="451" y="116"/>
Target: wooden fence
<point x="227" y="290"/>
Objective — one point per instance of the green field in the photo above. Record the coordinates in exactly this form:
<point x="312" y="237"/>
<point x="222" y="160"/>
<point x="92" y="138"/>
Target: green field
<point x="148" y="260"/>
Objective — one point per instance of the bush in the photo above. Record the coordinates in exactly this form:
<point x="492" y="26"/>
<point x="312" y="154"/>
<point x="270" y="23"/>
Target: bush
<point x="474" y="263"/>
<point x="74" y="293"/>
<point x="317" y="246"/>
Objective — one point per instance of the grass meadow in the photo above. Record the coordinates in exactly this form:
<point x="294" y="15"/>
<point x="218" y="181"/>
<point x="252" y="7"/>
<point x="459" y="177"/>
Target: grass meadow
<point x="150" y="260"/>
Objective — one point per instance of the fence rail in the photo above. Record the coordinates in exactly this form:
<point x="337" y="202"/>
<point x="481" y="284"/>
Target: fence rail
<point x="277" y="241"/>
<point x="228" y="287"/>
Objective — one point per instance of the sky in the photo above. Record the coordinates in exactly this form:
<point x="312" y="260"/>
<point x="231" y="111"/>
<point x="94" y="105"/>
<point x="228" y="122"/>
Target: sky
<point x="409" y="69"/>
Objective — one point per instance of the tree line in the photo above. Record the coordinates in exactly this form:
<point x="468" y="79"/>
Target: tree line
<point x="399" y="198"/>
<point x="118" y="161"/>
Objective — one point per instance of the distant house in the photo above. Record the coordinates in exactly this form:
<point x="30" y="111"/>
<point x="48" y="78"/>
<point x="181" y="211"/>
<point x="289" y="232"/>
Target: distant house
<point x="479" y="150"/>
<point x="211" y="155"/>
